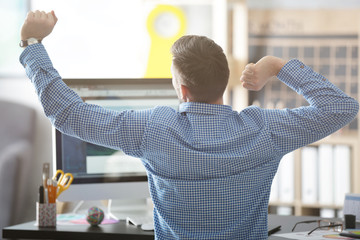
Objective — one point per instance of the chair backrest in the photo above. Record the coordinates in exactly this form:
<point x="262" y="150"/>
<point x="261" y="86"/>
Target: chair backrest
<point x="17" y="131"/>
<point x="17" y="122"/>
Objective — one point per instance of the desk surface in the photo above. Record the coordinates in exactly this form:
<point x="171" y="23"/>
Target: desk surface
<point x="122" y="230"/>
<point x="119" y="230"/>
<point x="288" y="222"/>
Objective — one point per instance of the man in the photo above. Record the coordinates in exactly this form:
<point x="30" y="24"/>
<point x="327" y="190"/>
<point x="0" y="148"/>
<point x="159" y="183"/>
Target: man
<point x="209" y="168"/>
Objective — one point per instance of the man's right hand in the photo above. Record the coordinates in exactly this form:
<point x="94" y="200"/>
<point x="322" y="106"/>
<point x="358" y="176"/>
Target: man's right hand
<point x="255" y="76"/>
<point x="38" y="25"/>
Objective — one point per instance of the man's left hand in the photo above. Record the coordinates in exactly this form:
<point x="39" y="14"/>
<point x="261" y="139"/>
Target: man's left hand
<point x="38" y="25"/>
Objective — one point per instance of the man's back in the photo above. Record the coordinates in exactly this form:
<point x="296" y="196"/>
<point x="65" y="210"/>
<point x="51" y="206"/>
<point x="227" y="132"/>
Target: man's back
<point x="210" y="170"/>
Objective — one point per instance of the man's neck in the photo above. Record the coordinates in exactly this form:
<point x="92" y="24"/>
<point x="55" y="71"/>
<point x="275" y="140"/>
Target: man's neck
<point x="219" y="101"/>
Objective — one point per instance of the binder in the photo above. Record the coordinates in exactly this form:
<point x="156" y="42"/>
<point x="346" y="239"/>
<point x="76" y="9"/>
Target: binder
<point x="287" y="178"/>
<point x="327" y="213"/>
<point x="326" y="174"/>
<point x="309" y="166"/>
<point x="274" y="192"/>
<point x="342" y="173"/>
<point x="285" y="211"/>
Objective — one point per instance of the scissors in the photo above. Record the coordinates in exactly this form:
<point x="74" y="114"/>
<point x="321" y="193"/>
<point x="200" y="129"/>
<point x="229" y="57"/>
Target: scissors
<point x="63" y="181"/>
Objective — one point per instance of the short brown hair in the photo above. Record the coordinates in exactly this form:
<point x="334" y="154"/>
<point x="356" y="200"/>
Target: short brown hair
<point x="202" y="67"/>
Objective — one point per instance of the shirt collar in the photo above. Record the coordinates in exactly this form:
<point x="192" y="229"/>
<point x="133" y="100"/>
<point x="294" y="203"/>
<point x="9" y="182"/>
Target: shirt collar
<point x="205" y="108"/>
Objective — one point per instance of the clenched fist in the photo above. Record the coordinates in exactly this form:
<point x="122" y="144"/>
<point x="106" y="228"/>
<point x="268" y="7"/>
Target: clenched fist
<point x="255" y="76"/>
<point x="38" y="25"/>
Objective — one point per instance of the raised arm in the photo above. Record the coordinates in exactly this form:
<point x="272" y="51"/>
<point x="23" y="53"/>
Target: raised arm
<point x="65" y="109"/>
<point x="329" y="108"/>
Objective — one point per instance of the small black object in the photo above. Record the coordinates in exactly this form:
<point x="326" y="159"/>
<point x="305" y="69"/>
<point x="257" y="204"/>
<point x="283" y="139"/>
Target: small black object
<point x="41" y="194"/>
<point x="273" y="229"/>
<point x="350" y="221"/>
<point x="349" y="234"/>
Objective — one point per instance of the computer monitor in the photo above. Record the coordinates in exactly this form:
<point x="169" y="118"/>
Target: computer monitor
<point x="101" y="173"/>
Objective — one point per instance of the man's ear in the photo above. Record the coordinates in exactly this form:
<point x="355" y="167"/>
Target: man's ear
<point x="185" y="93"/>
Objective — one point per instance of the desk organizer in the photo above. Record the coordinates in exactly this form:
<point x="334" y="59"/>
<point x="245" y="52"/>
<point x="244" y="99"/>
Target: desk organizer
<point x="46" y="214"/>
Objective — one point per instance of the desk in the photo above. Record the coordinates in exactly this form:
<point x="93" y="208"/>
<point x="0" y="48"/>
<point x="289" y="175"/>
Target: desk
<point x="118" y="231"/>
<point x="122" y="230"/>
<point x="288" y="222"/>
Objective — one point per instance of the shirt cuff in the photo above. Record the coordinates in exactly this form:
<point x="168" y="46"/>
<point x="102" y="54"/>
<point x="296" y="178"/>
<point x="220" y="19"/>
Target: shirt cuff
<point x="33" y="58"/>
<point x="295" y="72"/>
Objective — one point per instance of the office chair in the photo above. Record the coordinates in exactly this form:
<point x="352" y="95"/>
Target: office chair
<point x="17" y="130"/>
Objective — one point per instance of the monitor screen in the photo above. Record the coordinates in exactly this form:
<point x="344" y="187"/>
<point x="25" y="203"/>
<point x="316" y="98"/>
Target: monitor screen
<point x="100" y="172"/>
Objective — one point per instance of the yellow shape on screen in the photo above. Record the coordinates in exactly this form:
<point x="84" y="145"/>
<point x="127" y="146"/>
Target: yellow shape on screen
<point x="165" y="25"/>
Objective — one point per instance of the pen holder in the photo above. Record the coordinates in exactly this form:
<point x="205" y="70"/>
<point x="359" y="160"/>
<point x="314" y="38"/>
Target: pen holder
<point x="46" y="214"/>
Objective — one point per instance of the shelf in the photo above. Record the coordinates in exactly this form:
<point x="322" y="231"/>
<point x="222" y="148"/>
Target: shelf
<point x="330" y="51"/>
<point x="340" y="138"/>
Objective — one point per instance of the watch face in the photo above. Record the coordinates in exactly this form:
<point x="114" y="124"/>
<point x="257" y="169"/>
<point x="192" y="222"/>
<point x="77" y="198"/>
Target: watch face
<point x="32" y="41"/>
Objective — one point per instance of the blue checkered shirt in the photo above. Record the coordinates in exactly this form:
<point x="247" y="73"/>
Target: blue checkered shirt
<point x="209" y="168"/>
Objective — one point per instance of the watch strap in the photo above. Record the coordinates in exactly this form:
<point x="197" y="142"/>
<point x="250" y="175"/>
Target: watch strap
<point x="27" y="42"/>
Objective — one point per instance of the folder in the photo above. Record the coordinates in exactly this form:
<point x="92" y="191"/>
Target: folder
<point x="284" y="211"/>
<point x="287" y="178"/>
<point x="326" y="174"/>
<point x="309" y="165"/>
<point x="327" y="213"/>
<point x="274" y="192"/>
<point x="342" y="173"/>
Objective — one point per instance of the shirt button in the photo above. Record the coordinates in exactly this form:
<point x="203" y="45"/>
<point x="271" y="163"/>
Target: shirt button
<point x="324" y="79"/>
<point x="302" y="66"/>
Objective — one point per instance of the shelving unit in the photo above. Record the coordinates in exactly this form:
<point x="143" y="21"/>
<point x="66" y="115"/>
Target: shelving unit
<point x="330" y="47"/>
<point x="301" y="209"/>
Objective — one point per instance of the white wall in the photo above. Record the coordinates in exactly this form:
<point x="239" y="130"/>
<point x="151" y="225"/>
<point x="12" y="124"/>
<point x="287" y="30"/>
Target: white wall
<point x="21" y="90"/>
<point x="307" y="4"/>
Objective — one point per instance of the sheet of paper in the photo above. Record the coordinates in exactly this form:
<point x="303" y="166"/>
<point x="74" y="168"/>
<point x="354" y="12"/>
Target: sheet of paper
<point x="316" y="235"/>
<point x="78" y="219"/>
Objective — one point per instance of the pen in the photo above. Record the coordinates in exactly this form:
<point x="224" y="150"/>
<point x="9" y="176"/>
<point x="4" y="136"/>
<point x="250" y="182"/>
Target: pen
<point x="45" y="177"/>
<point x="41" y="194"/>
<point x="349" y="234"/>
<point x="45" y="173"/>
<point x="274" y="230"/>
<point x="46" y="194"/>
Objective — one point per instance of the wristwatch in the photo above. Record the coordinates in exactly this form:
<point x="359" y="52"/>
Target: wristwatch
<point x="27" y="42"/>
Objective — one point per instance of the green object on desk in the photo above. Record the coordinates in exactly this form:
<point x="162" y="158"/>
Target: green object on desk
<point x="352" y="234"/>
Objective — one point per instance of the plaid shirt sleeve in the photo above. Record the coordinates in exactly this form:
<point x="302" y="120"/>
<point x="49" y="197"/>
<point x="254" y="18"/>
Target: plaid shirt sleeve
<point x="330" y="109"/>
<point x="72" y="116"/>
